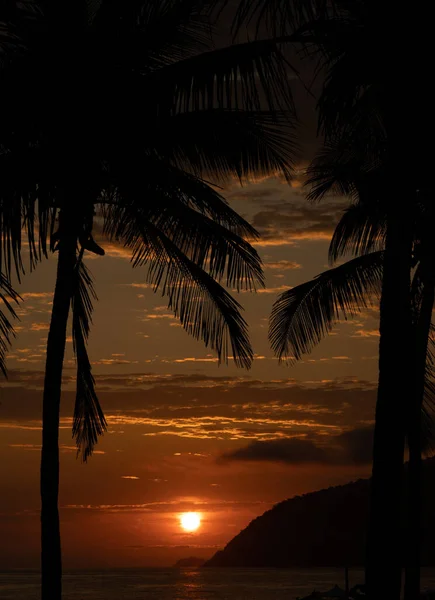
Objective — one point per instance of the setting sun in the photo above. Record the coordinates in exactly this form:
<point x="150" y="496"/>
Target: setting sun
<point x="190" y="521"/>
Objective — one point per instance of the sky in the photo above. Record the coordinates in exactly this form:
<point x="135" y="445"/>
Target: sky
<point x="184" y="433"/>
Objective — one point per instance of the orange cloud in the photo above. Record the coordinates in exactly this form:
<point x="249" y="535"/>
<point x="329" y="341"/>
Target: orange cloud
<point x="39" y="327"/>
<point x="37" y="295"/>
<point x="274" y="290"/>
<point x="364" y="333"/>
<point x="282" y="265"/>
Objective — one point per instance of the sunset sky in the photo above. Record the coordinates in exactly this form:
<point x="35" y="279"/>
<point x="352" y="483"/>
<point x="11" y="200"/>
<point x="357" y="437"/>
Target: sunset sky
<point x="184" y="433"/>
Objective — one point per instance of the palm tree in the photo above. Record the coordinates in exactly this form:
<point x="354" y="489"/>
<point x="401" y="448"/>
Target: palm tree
<point x="352" y="43"/>
<point x="423" y="298"/>
<point x="307" y="312"/>
<point x="170" y="112"/>
<point x="304" y="314"/>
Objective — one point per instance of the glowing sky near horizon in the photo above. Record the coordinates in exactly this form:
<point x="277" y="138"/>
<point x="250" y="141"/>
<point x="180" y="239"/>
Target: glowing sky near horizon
<point x="185" y="435"/>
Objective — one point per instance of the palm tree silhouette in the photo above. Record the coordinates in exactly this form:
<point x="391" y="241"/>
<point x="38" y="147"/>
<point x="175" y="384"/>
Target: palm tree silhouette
<point x="304" y="314"/>
<point x="352" y="44"/>
<point x="131" y="113"/>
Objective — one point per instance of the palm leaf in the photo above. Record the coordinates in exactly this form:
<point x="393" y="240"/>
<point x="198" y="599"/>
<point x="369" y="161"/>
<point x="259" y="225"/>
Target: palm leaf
<point x="171" y="185"/>
<point x="418" y="290"/>
<point x="361" y="230"/>
<point x="345" y="166"/>
<point x="228" y="142"/>
<point x="335" y="170"/>
<point x="242" y="76"/>
<point x="277" y="16"/>
<point x="27" y="207"/>
<point x="7" y="294"/>
<point x="16" y="19"/>
<point x="89" y="421"/>
<point x="302" y="316"/>
<point x="208" y="244"/>
<point x="151" y="34"/>
<point x="192" y="216"/>
<point x="205" y="309"/>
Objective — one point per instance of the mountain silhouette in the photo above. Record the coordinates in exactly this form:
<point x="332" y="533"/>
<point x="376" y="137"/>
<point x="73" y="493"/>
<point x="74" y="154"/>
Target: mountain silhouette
<point x="321" y="529"/>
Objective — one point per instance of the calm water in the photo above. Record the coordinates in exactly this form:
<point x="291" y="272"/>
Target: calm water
<point x="183" y="584"/>
<point x="174" y="584"/>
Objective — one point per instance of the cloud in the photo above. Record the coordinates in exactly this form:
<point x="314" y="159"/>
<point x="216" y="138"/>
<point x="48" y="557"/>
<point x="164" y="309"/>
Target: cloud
<point x="357" y="444"/>
<point x="287" y="222"/>
<point x="203" y="407"/>
<point x="350" y="447"/>
<point x="282" y="265"/>
<point x="114" y="361"/>
<point x="142" y="286"/>
<point x="171" y="507"/>
<point x="274" y="290"/>
<point x="111" y="249"/>
<point x="208" y="359"/>
<point x="365" y="333"/>
<point x="129" y="477"/>
<point x="290" y="450"/>
<point x="39" y="326"/>
<point x="38" y="295"/>
<point x="62" y="447"/>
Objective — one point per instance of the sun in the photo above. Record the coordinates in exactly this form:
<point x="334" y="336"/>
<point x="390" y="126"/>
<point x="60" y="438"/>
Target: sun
<point x="190" y="521"/>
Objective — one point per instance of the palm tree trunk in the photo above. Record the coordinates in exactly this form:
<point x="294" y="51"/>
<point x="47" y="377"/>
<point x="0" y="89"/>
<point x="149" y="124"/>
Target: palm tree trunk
<point x="383" y="566"/>
<point x="51" y="561"/>
<point x="414" y="506"/>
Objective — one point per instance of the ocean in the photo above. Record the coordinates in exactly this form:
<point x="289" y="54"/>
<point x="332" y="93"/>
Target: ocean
<point x="185" y="584"/>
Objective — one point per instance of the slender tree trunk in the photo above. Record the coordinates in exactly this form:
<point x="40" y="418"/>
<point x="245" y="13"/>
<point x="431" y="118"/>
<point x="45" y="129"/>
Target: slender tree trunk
<point x="414" y="506"/>
<point x="384" y="543"/>
<point x="51" y="561"/>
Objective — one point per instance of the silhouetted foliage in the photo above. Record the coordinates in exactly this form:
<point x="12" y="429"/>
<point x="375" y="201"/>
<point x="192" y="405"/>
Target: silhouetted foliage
<point x="118" y="113"/>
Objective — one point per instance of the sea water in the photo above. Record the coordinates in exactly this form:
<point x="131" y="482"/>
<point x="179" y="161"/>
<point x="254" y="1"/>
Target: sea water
<point x="184" y="584"/>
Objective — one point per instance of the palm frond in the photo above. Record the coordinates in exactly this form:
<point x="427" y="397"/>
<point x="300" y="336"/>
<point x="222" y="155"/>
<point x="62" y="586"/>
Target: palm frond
<point x="348" y="43"/>
<point x="151" y="34"/>
<point x="345" y="167"/>
<point x="190" y="214"/>
<point x="334" y="170"/>
<point x="7" y="295"/>
<point x="248" y="76"/>
<point x="89" y="421"/>
<point x="208" y="244"/>
<point x="229" y="143"/>
<point x="205" y="309"/>
<point x="27" y="207"/>
<point x="279" y="17"/>
<point x="428" y="407"/>
<point x="16" y="18"/>
<point x="11" y="228"/>
<point x="361" y="230"/>
<point x="303" y="315"/>
<point x="174" y="185"/>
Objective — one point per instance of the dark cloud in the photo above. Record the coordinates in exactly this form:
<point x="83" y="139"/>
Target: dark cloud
<point x="357" y="444"/>
<point x="291" y="451"/>
<point x="352" y="447"/>
<point x="210" y="408"/>
<point x="297" y="219"/>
